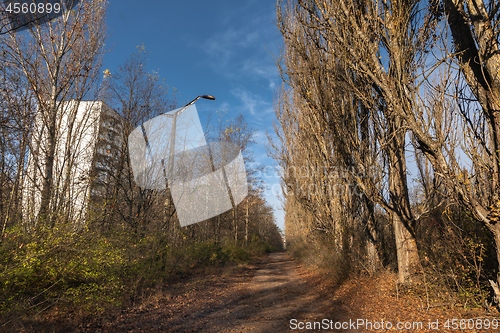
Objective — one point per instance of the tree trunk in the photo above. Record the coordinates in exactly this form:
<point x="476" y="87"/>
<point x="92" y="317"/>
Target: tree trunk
<point x="401" y="215"/>
<point x="48" y="168"/>
<point x="373" y="250"/>
<point x="235" y="222"/>
<point x="495" y="229"/>
<point x="406" y="249"/>
<point x="246" y="224"/>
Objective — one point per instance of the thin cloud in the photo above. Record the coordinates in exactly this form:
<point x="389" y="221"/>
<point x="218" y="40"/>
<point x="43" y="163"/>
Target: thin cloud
<point x="260" y="138"/>
<point x="248" y="101"/>
<point x="252" y="103"/>
<point x="221" y="46"/>
<point x="263" y="68"/>
<point x="245" y="49"/>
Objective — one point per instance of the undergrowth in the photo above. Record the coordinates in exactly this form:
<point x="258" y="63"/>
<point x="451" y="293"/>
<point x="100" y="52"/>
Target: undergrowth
<point x="87" y="273"/>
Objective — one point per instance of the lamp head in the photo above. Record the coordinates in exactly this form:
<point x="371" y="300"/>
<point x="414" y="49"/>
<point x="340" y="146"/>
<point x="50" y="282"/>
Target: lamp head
<point x="210" y="97"/>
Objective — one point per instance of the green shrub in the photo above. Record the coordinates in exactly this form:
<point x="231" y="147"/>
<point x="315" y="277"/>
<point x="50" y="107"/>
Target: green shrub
<point x="237" y="254"/>
<point x="91" y="271"/>
<point x="208" y="254"/>
<point x="75" y="270"/>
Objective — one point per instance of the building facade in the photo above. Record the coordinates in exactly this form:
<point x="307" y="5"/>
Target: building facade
<point x="88" y="141"/>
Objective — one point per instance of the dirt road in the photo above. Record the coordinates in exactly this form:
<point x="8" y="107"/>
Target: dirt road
<point x="263" y="298"/>
<point x="274" y="296"/>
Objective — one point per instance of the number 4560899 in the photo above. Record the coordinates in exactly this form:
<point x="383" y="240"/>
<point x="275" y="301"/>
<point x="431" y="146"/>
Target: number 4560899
<point x="33" y="8"/>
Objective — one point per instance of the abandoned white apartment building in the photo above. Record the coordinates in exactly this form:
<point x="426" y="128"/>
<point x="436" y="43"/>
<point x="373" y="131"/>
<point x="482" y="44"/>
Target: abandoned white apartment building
<point x="88" y="144"/>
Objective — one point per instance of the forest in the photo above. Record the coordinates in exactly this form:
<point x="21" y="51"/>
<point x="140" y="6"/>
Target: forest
<point x="387" y="137"/>
<point x="388" y="126"/>
<point x="63" y="258"/>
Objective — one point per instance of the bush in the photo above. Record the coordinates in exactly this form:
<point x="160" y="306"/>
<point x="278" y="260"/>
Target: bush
<point x="207" y="254"/>
<point x="236" y="254"/>
<point x="91" y="272"/>
<point x="458" y="256"/>
<point x="60" y="267"/>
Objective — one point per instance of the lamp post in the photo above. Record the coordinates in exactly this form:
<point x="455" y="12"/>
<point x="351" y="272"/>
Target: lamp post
<point x="172" y="135"/>
<point x="172" y="146"/>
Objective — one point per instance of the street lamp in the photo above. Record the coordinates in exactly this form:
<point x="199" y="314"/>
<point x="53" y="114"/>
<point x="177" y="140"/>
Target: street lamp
<point x="193" y="183"/>
<point x="174" y="115"/>
<point x="172" y="135"/>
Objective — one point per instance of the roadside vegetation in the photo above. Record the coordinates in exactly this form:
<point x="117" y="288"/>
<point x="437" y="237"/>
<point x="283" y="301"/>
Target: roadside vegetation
<point x="56" y="264"/>
<point x="60" y="273"/>
<point x="388" y="138"/>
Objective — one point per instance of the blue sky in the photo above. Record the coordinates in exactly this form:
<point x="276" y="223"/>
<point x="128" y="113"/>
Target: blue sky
<point x="227" y="49"/>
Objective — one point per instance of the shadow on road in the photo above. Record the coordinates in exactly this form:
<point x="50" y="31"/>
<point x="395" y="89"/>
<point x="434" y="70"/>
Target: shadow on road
<point x="265" y="302"/>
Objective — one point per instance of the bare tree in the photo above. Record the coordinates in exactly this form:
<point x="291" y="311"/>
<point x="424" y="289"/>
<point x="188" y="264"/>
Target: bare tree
<point x="473" y="94"/>
<point x="59" y="61"/>
<point x="138" y="96"/>
<point x="17" y="105"/>
<point x="475" y="32"/>
<point x="334" y="64"/>
<point x="237" y="133"/>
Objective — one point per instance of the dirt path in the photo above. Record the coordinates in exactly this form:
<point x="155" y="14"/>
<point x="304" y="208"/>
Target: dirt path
<point x="274" y="296"/>
<point x="260" y="299"/>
